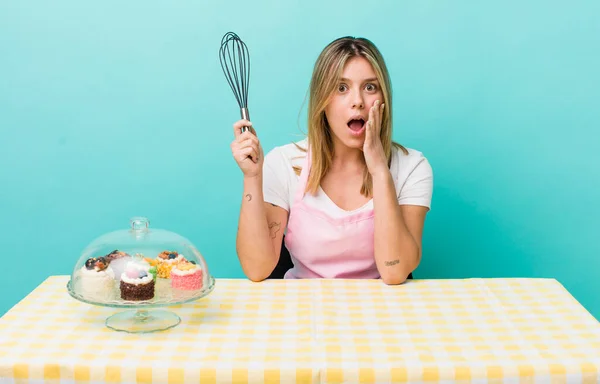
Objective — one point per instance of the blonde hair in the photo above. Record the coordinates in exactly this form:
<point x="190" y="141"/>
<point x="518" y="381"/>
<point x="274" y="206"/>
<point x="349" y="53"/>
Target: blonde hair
<point x="326" y="74"/>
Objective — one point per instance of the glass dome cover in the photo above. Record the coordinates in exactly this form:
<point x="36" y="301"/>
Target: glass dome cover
<point x="140" y="267"/>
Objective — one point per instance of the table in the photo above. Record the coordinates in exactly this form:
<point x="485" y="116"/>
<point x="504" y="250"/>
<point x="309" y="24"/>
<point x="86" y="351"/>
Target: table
<point x="314" y="331"/>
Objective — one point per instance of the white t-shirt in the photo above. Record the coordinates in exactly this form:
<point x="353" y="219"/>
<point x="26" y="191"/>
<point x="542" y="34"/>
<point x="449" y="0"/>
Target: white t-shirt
<point x="412" y="174"/>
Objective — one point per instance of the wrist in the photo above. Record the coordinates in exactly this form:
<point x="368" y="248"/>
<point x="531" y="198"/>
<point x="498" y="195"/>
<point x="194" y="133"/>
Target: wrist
<point x="253" y="178"/>
<point x="381" y="175"/>
<point x="253" y="183"/>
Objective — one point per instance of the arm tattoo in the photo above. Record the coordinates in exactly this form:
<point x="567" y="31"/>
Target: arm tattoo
<point x="274" y="228"/>
<point x="248" y="197"/>
<point x="390" y="263"/>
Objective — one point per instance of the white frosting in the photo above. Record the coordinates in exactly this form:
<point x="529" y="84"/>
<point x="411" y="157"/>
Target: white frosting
<point x="137" y="281"/>
<point x="96" y="285"/>
<point x="171" y="261"/>
<point x="92" y="273"/>
<point x="178" y="272"/>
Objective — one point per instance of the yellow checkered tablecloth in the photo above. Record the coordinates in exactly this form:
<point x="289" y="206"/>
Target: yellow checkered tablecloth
<point x="315" y="331"/>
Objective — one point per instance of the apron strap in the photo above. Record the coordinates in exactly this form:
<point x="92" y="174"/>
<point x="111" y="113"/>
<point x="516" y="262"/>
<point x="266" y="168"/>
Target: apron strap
<point x="303" y="178"/>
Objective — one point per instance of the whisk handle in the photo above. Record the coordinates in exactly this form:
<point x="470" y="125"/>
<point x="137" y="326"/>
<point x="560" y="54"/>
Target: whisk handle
<point x="245" y="116"/>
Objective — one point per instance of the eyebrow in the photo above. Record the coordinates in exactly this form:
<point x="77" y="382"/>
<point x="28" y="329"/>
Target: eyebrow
<point x="366" y="80"/>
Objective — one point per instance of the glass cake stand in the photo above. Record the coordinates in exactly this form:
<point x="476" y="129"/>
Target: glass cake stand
<point x="140" y="269"/>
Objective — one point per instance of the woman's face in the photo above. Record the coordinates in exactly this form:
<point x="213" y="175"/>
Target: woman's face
<point x="348" y="110"/>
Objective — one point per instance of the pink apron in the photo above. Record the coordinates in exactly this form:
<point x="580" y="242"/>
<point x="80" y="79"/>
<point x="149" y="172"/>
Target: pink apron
<point x="325" y="247"/>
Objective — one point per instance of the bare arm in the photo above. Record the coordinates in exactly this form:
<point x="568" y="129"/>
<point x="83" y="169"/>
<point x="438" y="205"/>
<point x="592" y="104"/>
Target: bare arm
<point x="260" y="231"/>
<point x="261" y="226"/>
<point x="398" y="232"/>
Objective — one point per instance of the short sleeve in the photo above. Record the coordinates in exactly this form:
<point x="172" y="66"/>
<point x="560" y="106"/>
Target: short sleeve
<point x="275" y="180"/>
<point x="418" y="188"/>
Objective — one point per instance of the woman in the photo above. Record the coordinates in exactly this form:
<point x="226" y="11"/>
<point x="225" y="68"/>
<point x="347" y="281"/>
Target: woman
<point x="351" y="202"/>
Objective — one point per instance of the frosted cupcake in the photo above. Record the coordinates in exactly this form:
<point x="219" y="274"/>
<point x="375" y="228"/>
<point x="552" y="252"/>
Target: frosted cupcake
<point x="96" y="280"/>
<point x="186" y="276"/>
<point x="136" y="283"/>
<point x="166" y="261"/>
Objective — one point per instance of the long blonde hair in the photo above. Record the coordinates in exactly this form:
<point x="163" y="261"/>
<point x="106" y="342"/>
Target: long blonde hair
<point x="326" y="74"/>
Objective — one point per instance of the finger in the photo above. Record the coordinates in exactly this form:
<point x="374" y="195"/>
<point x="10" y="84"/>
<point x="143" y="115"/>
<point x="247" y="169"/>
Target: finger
<point x="376" y="118"/>
<point x="381" y="117"/>
<point x="369" y="132"/>
<point x="246" y="136"/>
<point x="246" y="153"/>
<point x="249" y="130"/>
<point x="371" y="114"/>
<point x="249" y="133"/>
<point x="375" y="115"/>
<point x="253" y="154"/>
<point x="249" y="142"/>
<point x="237" y="126"/>
<point x="237" y="147"/>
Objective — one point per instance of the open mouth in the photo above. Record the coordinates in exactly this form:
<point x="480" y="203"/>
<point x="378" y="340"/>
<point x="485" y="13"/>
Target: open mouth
<point x="356" y="125"/>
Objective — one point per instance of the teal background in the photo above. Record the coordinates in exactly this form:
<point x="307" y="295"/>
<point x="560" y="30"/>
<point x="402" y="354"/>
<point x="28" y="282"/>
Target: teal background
<point x="119" y="108"/>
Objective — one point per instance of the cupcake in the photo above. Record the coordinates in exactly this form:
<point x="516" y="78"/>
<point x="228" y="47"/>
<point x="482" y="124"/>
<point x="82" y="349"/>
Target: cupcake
<point x="166" y="261"/>
<point x="186" y="276"/>
<point x="96" y="280"/>
<point x="137" y="283"/>
<point x="118" y="261"/>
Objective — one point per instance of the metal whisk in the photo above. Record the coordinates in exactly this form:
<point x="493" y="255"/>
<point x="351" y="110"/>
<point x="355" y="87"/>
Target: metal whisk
<point x="235" y="62"/>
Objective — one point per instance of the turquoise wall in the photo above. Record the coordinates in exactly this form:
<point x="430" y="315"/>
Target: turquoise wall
<point x="113" y="109"/>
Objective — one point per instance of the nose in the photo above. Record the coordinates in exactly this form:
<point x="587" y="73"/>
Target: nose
<point x="357" y="100"/>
